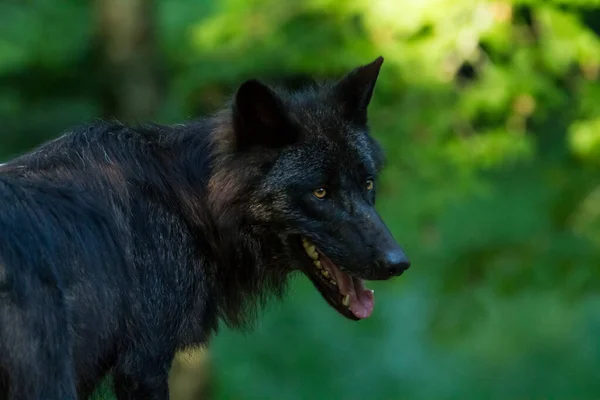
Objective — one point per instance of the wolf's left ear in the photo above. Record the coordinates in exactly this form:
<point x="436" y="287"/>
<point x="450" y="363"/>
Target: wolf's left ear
<point x="260" y="118"/>
<point x="354" y="91"/>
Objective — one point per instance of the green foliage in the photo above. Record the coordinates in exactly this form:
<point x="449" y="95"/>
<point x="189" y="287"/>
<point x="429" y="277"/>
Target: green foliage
<point x="489" y="115"/>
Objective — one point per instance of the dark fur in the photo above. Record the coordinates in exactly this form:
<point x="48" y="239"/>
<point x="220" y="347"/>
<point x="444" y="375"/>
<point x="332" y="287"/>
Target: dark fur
<point x="121" y="245"/>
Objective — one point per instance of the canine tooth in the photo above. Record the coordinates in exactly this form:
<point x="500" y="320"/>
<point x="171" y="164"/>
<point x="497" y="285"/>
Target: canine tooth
<point x="346" y="300"/>
<point x="305" y="243"/>
<point x="312" y="252"/>
<point x="334" y="283"/>
<point x="325" y="273"/>
<point x="317" y="264"/>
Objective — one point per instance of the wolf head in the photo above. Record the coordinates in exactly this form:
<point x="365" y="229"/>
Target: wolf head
<point x="309" y="169"/>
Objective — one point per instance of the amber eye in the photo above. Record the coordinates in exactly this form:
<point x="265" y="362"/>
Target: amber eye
<point x="320" y="193"/>
<point x="370" y="184"/>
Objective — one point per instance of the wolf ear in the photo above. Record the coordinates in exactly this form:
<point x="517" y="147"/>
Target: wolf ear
<point x="260" y="118"/>
<point x="354" y="91"/>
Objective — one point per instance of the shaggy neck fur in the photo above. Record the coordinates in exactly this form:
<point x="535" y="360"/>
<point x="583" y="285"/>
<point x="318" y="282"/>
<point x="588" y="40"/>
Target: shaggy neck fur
<point x="250" y="268"/>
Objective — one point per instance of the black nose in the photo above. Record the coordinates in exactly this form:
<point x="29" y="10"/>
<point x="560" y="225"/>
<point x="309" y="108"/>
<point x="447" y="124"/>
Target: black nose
<point x="395" y="262"/>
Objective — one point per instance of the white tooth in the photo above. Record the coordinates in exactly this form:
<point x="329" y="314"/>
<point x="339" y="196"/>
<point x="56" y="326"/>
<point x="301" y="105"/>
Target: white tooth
<point x="317" y="264"/>
<point x="346" y="300"/>
<point x="372" y="291"/>
<point x="325" y="273"/>
<point x="312" y="253"/>
<point x="334" y="283"/>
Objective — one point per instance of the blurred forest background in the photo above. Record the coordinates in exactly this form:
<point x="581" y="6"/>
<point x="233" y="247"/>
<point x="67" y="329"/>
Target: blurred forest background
<point x="490" y="115"/>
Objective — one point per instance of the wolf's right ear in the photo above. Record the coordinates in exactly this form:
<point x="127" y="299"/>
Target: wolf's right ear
<point x="354" y="91"/>
<point x="260" y="118"/>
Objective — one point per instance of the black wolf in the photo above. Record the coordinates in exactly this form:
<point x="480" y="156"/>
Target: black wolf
<point x="121" y="245"/>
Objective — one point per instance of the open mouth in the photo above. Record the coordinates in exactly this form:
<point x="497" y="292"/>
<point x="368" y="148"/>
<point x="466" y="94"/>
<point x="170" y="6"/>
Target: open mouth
<point x="343" y="292"/>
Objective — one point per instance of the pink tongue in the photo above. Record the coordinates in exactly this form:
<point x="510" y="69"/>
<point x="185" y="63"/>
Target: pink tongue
<point x="361" y="299"/>
<point x="362" y="304"/>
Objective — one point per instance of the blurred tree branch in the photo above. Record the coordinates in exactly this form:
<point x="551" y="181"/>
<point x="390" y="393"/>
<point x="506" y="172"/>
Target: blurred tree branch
<point x="127" y="37"/>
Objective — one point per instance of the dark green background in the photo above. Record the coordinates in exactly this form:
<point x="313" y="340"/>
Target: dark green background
<point x="490" y="116"/>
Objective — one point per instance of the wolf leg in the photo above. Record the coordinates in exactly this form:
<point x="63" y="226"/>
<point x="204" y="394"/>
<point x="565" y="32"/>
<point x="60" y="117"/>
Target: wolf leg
<point x="36" y="348"/>
<point x="142" y="376"/>
<point x="3" y="384"/>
